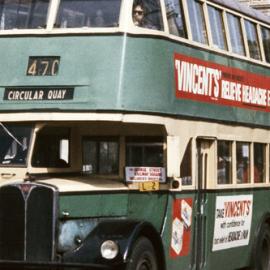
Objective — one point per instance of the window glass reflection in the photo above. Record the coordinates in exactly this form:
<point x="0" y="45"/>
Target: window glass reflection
<point x="224" y="170"/>
<point x="236" y="36"/>
<point x="175" y="17"/>
<point x="88" y="13"/>
<point x="243" y="162"/>
<point x="253" y="41"/>
<point x="15" y="140"/>
<point x="217" y="28"/>
<point x="259" y="169"/>
<point x="266" y="43"/>
<point x="100" y="156"/>
<point x="198" y="26"/>
<point x="186" y="166"/>
<point x="144" y="151"/>
<point x="27" y="14"/>
<point x="52" y="148"/>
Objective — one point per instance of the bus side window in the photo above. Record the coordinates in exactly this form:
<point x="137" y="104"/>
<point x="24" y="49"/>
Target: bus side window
<point x="266" y="42"/>
<point x="52" y="148"/>
<point x="85" y="13"/>
<point x="144" y="152"/>
<point x="23" y="14"/>
<point x="236" y="36"/>
<point x="217" y="28"/>
<point x="259" y="157"/>
<point x="100" y="155"/>
<point x="175" y="17"/>
<point x="224" y="162"/>
<point x="186" y="166"/>
<point x="147" y="14"/>
<point x="243" y="162"/>
<point x="253" y="40"/>
<point x="197" y="21"/>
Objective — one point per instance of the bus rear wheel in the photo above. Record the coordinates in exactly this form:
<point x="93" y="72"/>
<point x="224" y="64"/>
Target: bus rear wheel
<point x="262" y="251"/>
<point x="142" y="256"/>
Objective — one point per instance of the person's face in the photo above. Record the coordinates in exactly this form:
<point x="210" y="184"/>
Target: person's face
<point x="138" y="15"/>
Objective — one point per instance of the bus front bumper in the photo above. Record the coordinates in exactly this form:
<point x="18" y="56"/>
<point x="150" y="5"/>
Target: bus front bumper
<point x="18" y="265"/>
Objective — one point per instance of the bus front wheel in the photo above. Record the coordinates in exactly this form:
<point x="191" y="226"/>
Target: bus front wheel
<point x="142" y="256"/>
<point x="262" y="251"/>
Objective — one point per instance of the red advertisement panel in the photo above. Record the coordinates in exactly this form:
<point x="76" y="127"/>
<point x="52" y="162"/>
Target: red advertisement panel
<point x="181" y="227"/>
<point x="204" y="81"/>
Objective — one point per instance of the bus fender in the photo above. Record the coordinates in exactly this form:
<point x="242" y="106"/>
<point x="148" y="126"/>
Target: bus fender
<point x="123" y="231"/>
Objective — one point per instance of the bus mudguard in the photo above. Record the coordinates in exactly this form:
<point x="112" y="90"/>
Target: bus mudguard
<point x="261" y="247"/>
<point x="121" y="231"/>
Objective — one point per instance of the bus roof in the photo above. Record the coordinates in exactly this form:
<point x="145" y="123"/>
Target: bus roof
<point x="245" y="9"/>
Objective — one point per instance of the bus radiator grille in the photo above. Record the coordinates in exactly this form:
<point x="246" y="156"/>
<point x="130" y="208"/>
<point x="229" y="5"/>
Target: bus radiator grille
<point x="27" y="222"/>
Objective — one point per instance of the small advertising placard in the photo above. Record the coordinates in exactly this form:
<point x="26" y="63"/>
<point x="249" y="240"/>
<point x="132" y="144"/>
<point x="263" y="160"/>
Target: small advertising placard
<point x="145" y="174"/>
<point x="233" y="218"/>
<point x="181" y="227"/>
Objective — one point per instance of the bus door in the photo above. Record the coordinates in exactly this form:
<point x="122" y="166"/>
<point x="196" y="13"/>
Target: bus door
<point x="204" y="174"/>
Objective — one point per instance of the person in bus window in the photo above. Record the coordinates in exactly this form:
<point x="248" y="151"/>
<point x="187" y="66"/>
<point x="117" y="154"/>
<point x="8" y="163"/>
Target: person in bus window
<point x="99" y="19"/>
<point x="138" y="15"/>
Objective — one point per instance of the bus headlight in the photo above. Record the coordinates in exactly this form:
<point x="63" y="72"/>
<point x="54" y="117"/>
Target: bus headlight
<point x="109" y="249"/>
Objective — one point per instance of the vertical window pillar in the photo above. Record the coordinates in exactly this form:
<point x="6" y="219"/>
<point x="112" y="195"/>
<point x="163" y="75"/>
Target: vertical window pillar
<point x="244" y="37"/>
<point x="261" y="48"/>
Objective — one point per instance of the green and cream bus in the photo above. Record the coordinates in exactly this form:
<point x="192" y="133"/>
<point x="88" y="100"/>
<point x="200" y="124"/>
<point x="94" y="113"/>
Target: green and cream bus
<point x="134" y="145"/>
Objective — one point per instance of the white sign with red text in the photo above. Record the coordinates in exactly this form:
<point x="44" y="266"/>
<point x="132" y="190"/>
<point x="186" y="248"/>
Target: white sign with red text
<point x="145" y="174"/>
<point x="233" y="216"/>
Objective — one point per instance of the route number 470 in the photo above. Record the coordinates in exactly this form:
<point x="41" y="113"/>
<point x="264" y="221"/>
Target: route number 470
<point x="43" y="66"/>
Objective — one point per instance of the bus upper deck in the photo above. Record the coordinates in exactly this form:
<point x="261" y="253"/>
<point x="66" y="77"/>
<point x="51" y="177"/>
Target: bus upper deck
<point x="210" y="52"/>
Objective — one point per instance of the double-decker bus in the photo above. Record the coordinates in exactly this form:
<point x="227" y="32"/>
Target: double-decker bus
<point x="134" y="135"/>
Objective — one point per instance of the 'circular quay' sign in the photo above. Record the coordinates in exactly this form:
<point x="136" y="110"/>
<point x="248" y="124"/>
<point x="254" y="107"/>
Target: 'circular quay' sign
<point x="38" y="94"/>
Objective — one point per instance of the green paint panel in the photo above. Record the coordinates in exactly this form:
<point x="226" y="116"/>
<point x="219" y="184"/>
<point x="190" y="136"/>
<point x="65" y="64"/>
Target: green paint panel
<point x="115" y="72"/>
<point x="94" y="205"/>
<point x="147" y="206"/>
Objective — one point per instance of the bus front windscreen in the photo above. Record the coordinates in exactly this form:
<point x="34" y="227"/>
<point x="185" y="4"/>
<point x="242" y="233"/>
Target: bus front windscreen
<point x="14" y="146"/>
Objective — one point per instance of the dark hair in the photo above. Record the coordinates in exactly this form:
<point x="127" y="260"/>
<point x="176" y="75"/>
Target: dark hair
<point x="138" y="3"/>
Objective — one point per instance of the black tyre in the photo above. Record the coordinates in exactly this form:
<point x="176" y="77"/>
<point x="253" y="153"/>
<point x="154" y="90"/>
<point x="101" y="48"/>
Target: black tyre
<point x="262" y="250"/>
<point x="143" y="256"/>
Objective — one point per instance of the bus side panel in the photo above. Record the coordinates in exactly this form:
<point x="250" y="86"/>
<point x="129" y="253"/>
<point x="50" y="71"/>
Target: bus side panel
<point x="238" y="256"/>
<point x="178" y="230"/>
<point x="149" y="207"/>
<point x="94" y="205"/>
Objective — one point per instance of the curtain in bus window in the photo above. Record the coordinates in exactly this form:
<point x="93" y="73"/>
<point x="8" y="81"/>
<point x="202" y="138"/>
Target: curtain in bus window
<point x="217" y="28"/>
<point x="252" y="38"/>
<point x="236" y="35"/>
<point x="88" y="13"/>
<point x="150" y="14"/>
<point x="27" y="14"/>
<point x="197" y="21"/>
<point x="243" y="162"/>
<point x="175" y="17"/>
<point x="259" y="158"/>
<point x="266" y="43"/>
<point x="224" y="165"/>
